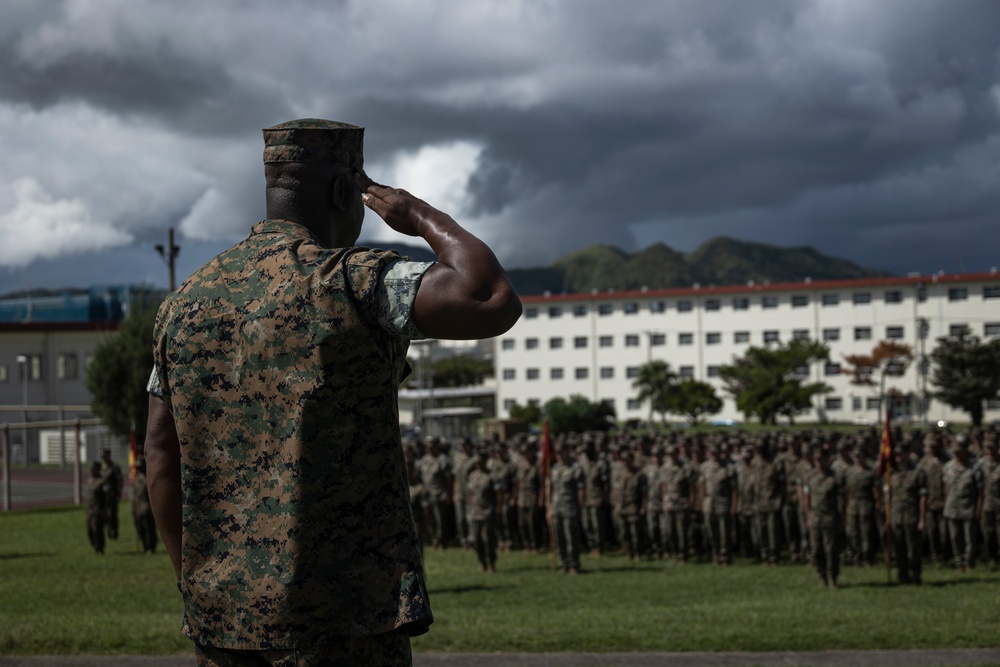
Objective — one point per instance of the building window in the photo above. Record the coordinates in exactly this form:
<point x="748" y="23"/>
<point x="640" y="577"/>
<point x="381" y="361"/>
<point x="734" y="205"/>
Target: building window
<point x="831" y="335"/>
<point x="634" y="404"/>
<point x="530" y="313"/>
<point x="580" y="341"/>
<point x="508" y="404"/>
<point x="921" y="293"/>
<point x="800" y="300"/>
<point x="610" y="402"/>
<point x="657" y="339"/>
<point x="535" y="402"/>
<point x="631" y="340"/>
<point x="579" y="310"/>
<point x="856" y="403"/>
<point x="741" y="337"/>
<point x="991" y="292"/>
<point x="555" y="311"/>
<point x="685" y="339"/>
<point x="509" y="374"/>
<point x="555" y="374"/>
<point x="532" y="374"/>
<point x="605" y="341"/>
<point x="769" y="302"/>
<point x="800" y="334"/>
<point x="873" y="403"/>
<point x="894" y="333"/>
<point x="631" y="308"/>
<point x="958" y="293"/>
<point x="685" y="306"/>
<point x="555" y="343"/>
<point x="32" y="367"/>
<point x="686" y="372"/>
<point x="507" y="343"/>
<point x="893" y="296"/>
<point x="862" y="298"/>
<point x="712" y="304"/>
<point x="956" y="330"/>
<point x="582" y="372"/>
<point x="607" y="372"/>
<point x="713" y="338"/>
<point x="830" y="299"/>
<point x="862" y="333"/>
<point x="834" y="403"/>
<point x="831" y="368"/>
<point x="713" y="371"/>
<point x="993" y="403"/>
<point x="530" y="343"/>
<point x="771" y="337"/>
<point x="741" y="303"/>
<point x="991" y="329"/>
<point x="632" y="372"/>
<point x="605" y="309"/>
<point x="658" y="307"/>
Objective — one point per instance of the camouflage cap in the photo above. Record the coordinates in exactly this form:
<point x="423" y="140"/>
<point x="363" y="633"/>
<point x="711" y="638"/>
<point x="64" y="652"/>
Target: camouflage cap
<point x="315" y="141"/>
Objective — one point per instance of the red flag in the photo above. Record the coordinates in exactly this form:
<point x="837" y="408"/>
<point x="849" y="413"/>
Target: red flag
<point x="133" y="453"/>
<point x="885" y="450"/>
<point x="546" y="448"/>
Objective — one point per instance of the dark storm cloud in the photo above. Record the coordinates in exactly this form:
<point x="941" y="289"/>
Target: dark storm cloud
<point x="842" y="124"/>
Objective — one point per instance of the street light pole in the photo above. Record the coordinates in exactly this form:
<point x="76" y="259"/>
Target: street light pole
<point x="22" y="360"/>
<point x="169" y="254"/>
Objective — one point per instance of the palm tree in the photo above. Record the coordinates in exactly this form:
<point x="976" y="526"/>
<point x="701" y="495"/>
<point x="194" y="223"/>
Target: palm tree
<point x="656" y="383"/>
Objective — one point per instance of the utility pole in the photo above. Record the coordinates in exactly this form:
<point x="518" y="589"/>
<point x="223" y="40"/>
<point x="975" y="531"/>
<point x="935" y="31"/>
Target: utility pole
<point x="169" y="254"/>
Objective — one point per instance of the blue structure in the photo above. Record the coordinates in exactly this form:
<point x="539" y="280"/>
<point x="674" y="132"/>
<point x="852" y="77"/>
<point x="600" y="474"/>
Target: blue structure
<point x="102" y="303"/>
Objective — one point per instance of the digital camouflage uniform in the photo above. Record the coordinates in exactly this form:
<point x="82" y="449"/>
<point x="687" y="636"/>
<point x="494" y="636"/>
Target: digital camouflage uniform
<point x="96" y="514"/>
<point x="633" y="497"/>
<point x="719" y="481"/>
<point x="907" y="486"/>
<point x="142" y="514"/>
<point x="791" y="515"/>
<point x="678" y="480"/>
<point x="462" y="465"/>
<point x="860" y="481"/>
<point x="962" y="484"/>
<point x="936" y="528"/>
<point x="768" y="491"/>
<point x="280" y="361"/>
<point x="826" y="513"/>
<point x="595" y="496"/>
<point x="481" y="497"/>
<point x="989" y="520"/>
<point x="436" y="480"/>
<point x="529" y="488"/>
<point x="654" y="506"/>
<point x="567" y="482"/>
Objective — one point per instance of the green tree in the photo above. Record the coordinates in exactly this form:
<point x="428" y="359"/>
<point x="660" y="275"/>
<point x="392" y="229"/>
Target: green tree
<point x="966" y="373"/>
<point x="577" y="415"/>
<point x="461" y="370"/>
<point x="657" y="384"/>
<point x="530" y="413"/>
<point x="694" y="399"/>
<point x="768" y="381"/>
<point x="118" y="373"/>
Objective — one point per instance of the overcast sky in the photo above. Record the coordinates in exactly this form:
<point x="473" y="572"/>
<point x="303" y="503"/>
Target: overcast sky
<point x="869" y="130"/>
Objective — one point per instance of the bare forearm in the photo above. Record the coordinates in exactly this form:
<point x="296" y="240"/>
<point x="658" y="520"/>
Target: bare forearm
<point x="467" y="284"/>
<point x="163" y="478"/>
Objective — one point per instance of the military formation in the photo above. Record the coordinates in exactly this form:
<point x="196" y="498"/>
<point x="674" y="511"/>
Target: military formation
<point x="819" y="497"/>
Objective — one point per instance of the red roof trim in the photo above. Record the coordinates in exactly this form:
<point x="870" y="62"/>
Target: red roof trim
<point x="812" y="286"/>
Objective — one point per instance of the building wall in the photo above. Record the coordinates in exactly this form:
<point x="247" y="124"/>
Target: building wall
<point x="592" y="344"/>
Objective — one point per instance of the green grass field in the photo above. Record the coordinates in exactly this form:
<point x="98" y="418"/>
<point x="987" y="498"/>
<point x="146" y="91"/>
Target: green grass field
<point x="57" y="597"/>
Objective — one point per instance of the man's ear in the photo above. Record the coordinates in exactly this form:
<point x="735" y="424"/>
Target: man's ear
<point x="341" y="192"/>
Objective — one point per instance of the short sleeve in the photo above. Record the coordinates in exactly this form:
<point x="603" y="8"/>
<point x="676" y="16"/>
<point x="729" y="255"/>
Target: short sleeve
<point x="154" y="386"/>
<point x="396" y="292"/>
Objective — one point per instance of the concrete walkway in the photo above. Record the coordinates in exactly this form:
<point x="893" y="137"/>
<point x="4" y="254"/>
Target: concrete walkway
<point x="934" y="657"/>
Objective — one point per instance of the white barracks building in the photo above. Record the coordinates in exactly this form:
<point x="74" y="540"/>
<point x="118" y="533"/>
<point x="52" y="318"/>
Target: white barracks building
<point x="593" y="344"/>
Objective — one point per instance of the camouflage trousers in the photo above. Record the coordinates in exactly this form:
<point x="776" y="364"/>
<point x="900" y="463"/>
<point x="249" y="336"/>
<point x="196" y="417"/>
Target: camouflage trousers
<point x="675" y="533"/>
<point x="860" y="526"/>
<point x="719" y="527"/>
<point x="529" y="523"/>
<point x="963" y="542"/>
<point x="593" y="526"/>
<point x="567" y="533"/>
<point x="389" y="650"/>
<point x="907" y="550"/>
<point x="654" y="530"/>
<point x="936" y="535"/>
<point x="989" y="524"/>
<point x="484" y="540"/>
<point x="824" y="536"/>
<point x="95" y="530"/>
<point x="769" y="534"/>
